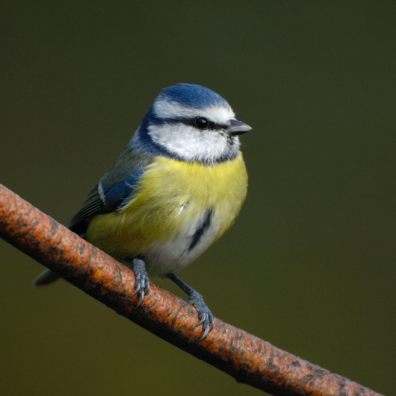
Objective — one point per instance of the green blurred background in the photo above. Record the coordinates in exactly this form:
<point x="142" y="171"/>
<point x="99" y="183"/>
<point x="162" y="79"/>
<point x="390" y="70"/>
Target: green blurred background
<point x="310" y="263"/>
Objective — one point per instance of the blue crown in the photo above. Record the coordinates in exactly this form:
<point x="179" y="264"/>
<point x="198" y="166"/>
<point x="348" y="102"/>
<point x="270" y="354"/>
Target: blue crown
<point x="192" y="95"/>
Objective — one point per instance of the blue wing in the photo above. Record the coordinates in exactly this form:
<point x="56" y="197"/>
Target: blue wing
<point x="114" y="190"/>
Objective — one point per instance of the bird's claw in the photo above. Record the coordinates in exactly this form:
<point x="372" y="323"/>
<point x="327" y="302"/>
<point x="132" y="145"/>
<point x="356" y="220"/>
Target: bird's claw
<point x="142" y="281"/>
<point x="205" y="315"/>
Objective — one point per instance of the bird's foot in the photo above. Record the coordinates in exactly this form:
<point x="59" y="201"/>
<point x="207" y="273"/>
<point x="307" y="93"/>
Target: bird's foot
<point x="142" y="280"/>
<point x="204" y="313"/>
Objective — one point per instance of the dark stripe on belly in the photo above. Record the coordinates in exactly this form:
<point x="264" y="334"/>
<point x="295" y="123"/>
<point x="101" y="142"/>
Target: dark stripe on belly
<point x="201" y="229"/>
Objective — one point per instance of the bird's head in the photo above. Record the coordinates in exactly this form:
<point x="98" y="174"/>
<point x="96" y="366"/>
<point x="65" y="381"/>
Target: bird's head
<point x="192" y="123"/>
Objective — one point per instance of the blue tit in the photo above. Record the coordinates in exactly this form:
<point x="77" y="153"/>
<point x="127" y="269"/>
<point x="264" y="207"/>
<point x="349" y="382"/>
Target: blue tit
<point x="175" y="189"/>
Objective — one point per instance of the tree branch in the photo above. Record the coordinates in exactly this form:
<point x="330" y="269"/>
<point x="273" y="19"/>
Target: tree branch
<point x="245" y="357"/>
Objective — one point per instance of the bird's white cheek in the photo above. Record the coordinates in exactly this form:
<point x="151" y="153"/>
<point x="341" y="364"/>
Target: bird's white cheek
<point x="191" y="144"/>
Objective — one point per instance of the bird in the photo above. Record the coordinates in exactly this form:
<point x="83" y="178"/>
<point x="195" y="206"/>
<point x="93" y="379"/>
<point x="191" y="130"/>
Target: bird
<point x="176" y="187"/>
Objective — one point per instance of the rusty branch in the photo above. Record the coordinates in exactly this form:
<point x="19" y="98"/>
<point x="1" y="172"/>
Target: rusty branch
<point x="245" y="357"/>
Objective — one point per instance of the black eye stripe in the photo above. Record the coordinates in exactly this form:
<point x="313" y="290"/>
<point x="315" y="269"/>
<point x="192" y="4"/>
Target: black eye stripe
<point x="212" y="126"/>
<point x="191" y="122"/>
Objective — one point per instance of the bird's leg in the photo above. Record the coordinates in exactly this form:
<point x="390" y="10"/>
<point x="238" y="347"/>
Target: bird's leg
<point x="142" y="281"/>
<point x="204" y="314"/>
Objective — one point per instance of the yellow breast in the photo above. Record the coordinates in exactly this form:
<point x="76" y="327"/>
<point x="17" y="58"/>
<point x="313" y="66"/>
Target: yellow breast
<point x="170" y="196"/>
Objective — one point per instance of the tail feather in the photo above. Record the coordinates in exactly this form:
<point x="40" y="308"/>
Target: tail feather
<point x="46" y="278"/>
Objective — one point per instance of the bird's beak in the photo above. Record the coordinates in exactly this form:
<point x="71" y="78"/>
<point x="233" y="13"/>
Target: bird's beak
<point x="238" y="128"/>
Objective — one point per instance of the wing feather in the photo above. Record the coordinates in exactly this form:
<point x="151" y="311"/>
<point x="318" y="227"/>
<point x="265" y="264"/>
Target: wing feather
<point x="114" y="189"/>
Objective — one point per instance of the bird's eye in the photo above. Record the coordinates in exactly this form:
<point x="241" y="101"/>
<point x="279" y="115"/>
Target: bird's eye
<point x="201" y="122"/>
